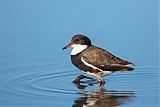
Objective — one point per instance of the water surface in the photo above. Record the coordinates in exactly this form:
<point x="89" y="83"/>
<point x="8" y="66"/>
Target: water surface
<point x="35" y="72"/>
<point x="52" y="85"/>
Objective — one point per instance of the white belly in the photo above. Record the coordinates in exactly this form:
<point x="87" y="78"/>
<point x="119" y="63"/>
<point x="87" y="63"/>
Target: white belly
<point x="100" y="74"/>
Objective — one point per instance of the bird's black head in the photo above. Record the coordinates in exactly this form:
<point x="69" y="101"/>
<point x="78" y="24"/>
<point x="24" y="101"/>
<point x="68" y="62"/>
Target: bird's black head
<point x="78" y="40"/>
<point x="81" y="39"/>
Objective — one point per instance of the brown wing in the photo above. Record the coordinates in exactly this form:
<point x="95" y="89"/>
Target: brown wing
<point x="104" y="60"/>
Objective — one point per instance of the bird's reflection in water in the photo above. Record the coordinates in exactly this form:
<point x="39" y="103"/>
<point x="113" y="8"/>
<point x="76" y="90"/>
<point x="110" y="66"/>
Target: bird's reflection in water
<point x="103" y="98"/>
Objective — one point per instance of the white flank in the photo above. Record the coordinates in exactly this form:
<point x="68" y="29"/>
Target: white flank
<point x="77" y="48"/>
<point x="90" y="65"/>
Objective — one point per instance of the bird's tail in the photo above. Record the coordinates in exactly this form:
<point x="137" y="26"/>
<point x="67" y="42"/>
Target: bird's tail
<point x="118" y="67"/>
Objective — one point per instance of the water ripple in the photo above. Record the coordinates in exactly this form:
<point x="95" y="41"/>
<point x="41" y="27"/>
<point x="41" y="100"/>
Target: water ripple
<point x="56" y="81"/>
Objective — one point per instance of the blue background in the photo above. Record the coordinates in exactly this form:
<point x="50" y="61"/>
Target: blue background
<point x="32" y="32"/>
<point x="116" y="25"/>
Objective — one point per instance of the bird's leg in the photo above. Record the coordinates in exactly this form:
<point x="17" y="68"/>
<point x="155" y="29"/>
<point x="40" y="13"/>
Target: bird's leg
<point x="99" y="74"/>
<point x="78" y="79"/>
<point x="90" y="78"/>
<point x="101" y="81"/>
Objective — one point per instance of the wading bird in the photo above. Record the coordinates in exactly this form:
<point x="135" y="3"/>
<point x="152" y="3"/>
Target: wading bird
<point x="93" y="60"/>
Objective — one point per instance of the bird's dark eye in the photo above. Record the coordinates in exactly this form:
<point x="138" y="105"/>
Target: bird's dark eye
<point x="77" y="40"/>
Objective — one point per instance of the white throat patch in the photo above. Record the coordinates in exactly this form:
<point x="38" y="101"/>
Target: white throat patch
<point x="77" y="48"/>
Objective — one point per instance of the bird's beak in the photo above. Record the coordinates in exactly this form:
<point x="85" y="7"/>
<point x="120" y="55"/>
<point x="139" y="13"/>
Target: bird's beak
<point x="67" y="46"/>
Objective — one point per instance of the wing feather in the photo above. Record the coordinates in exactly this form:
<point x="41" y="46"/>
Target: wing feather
<point x="104" y="60"/>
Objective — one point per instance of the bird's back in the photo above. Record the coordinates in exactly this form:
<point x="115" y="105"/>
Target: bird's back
<point x="103" y="59"/>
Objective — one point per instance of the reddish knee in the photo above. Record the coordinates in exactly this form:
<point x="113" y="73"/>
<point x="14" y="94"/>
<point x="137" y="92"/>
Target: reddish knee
<point x="95" y="71"/>
<point x="101" y="81"/>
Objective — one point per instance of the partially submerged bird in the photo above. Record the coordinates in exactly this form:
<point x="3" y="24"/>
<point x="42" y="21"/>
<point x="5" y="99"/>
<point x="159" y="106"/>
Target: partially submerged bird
<point x="93" y="60"/>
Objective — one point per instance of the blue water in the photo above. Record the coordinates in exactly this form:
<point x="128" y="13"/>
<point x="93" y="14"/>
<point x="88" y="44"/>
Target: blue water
<point x="35" y="72"/>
